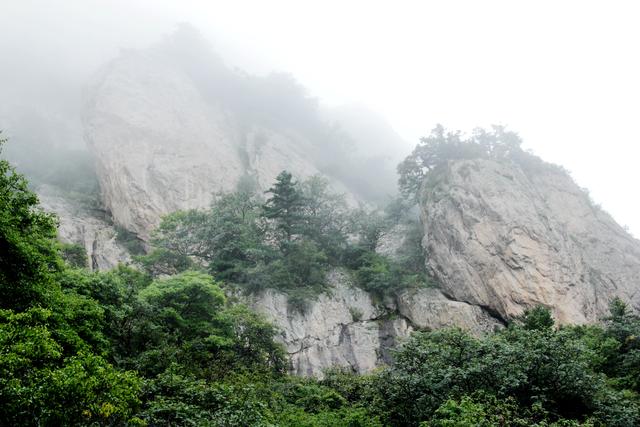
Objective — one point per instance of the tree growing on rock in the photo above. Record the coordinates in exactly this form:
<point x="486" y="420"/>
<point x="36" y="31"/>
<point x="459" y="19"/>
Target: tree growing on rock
<point x="442" y="145"/>
<point x="285" y="207"/>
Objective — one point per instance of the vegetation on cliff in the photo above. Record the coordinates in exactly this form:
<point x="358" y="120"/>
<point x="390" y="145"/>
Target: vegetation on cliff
<point x="288" y="241"/>
<point x="166" y="347"/>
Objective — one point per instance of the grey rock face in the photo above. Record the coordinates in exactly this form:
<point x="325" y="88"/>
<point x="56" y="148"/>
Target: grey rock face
<point x="345" y="327"/>
<point x="83" y="226"/>
<point x="161" y="145"/>
<point x="390" y="243"/>
<point x="505" y="237"/>
<point x="428" y="308"/>
<point x="341" y="328"/>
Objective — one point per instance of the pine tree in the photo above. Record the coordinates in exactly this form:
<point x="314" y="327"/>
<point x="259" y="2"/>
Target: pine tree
<point x="285" y="207"/>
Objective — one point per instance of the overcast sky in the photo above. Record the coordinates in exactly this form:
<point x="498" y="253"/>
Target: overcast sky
<point x="564" y="74"/>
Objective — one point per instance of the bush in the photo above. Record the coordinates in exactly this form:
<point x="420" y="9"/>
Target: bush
<point x="129" y="241"/>
<point x="75" y="255"/>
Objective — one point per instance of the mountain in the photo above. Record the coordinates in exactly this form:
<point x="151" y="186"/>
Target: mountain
<point x="500" y="237"/>
<point x="506" y="236"/>
<point x="170" y="126"/>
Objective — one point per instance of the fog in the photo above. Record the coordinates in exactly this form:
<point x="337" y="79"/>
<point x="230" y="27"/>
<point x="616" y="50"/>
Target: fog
<point x="563" y="75"/>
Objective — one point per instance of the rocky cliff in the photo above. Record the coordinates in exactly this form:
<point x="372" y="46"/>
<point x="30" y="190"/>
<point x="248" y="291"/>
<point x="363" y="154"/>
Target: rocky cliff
<point x="85" y="226"/>
<point x="345" y="327"/>
<point x="506" y="236"/>
<point x="171" y="125"/>
<point x="159" y="146"/>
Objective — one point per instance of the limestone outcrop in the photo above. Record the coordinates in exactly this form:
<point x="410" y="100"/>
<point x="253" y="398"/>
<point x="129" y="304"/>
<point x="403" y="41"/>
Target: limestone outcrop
<point x="167" y="134"/>
<point x="79" y="224"/>
<point x="159" y="146"/>
<point x="344" y="327"/>
<point x="506" y="236"/>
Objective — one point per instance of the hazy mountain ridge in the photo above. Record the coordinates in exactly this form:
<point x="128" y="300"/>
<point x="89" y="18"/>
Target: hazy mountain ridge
<point x="171" y="125"/>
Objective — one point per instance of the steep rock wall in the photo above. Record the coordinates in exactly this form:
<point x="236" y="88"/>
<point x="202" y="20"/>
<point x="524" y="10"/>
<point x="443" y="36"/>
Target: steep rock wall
<point x="159" y="146"/>
<point x="506" y="237"/>
<point x="163" y="143"/>
<point x="86" y="227"/>
<point x="344" y="327"/>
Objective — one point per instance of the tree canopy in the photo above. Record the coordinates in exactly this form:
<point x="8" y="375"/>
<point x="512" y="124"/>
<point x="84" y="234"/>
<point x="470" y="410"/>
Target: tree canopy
<point x="442" y="146"/>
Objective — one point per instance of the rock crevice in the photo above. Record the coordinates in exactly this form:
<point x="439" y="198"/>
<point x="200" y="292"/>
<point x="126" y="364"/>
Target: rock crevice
<point x="327" y="334"/>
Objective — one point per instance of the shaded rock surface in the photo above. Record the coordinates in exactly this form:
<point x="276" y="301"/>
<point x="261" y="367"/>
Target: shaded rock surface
<point x="345" y="327"/>
<point x="84" y="226"/>
<point x="159" y="146"/>
<point x="506" y="237"/>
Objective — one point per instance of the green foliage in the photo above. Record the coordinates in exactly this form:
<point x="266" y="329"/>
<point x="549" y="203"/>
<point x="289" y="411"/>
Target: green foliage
<point x="537" y="319"/>
<point x="162" y="262"/>
<point x="75" y="255"/>
<point x="375" y="274"/>
<point x="288" y="242"/>
<point x="369" y="226"/>
<point x="184" y="305"/>
<point x="544" y="376"/>
<point x="441" y="146"/>
<point x="179" y="400"/>
<point x="622" y="355"/>
<point x="285" y="207"/>
<point x="485" y="410"/>
<point x="165" y="347"/>
<point x="129" y="240"/>
<point x="325" y="217"/>
<point x="27" y="244"/>
<point x="183" y="319"/>
<point x="40" y="386"/>
<point x="382" y="276"/>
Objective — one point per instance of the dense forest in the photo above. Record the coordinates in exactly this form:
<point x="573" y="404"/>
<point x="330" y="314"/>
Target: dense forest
<point x="165" y="341"/>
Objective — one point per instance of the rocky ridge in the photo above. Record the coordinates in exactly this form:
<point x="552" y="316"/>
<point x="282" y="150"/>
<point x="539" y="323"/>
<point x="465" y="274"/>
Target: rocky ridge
<point x="345" y="327"/>
<point x="507" y="236"/>
<point x="500" y="236"/>
<point x="163" y="143"/>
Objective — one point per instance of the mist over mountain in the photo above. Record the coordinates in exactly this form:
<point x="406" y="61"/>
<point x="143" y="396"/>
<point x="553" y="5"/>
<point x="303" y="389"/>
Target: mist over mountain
<point x="186" y="241"/>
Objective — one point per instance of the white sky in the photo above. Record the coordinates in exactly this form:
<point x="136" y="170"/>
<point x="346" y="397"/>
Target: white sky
<point x="564" y="74"/>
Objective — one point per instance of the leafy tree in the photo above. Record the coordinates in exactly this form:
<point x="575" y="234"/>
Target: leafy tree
<point x="27" y="244"/>
<point x="369" y="226"/>
<point x="176" y="399"/>
<point x="116" y="291"/>
<point x="229" y="238"/>
<point x="441" y="146"/>
<point x="237" y="234"/>
<point x="622" y="360"/>
<point x="544" y="371"/>
<point x="184" y="233"/>
<point x="163" y="262"/>
<point x="183" y="320"/>
<point x="325" y="216"/>
<point x="75" y="255"/>
<point x="44" y="382"/>
<point x="537" y="319"/>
